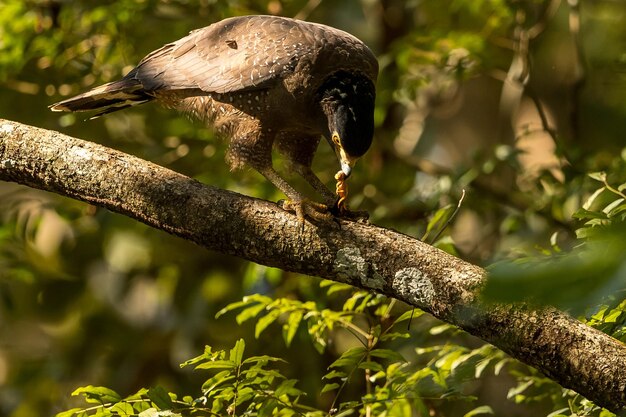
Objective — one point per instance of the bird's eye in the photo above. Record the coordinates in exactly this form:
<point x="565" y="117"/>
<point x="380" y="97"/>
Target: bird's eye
<point x="336" y="139"/>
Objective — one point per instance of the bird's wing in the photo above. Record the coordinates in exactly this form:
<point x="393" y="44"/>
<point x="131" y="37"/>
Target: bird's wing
<point x="235" y="54"/>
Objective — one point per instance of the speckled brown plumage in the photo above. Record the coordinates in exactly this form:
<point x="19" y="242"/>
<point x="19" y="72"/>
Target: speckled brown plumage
<point x="263" y="82"/>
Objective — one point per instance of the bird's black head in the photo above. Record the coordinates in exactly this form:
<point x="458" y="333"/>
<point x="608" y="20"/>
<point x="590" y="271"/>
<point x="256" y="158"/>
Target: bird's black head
<point x="347" y="100"/>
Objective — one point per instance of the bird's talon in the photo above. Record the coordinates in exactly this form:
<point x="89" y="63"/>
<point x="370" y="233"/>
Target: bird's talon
<point x="306" y="209"/>
<point x="335" y="209"/>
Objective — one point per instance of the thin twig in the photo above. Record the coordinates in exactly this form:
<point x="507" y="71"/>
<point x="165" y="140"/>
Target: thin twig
<point x="454" y="213"/>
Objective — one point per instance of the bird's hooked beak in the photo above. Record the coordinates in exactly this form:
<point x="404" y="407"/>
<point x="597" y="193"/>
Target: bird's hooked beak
<point x="346" y="161"/>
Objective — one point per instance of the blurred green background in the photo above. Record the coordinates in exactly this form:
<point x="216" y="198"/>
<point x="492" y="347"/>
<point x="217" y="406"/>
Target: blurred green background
<point x="512" y="101"/>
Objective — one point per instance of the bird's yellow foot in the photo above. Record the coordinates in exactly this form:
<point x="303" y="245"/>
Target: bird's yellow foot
<point x="307" y="208"/>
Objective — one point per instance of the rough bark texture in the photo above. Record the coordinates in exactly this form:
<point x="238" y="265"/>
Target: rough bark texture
<point x="366" y="256"/>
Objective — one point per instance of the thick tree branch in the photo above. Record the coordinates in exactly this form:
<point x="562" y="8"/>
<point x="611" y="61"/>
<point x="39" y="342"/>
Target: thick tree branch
<point x="366" y="256"/>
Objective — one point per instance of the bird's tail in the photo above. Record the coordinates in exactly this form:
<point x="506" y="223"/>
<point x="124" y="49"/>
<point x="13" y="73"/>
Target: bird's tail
<point x="107" y="98"/>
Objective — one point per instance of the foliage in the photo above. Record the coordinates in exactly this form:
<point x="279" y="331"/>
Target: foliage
<point x="393" y="385"/>
<point x="240" y="386"/>
<point x="256" y="386"/>
<point x="498" y="139"/>
<point x="562" y="278"/>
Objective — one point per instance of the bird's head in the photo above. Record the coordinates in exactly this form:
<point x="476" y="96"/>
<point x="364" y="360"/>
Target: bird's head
<point x="348" y="102"/>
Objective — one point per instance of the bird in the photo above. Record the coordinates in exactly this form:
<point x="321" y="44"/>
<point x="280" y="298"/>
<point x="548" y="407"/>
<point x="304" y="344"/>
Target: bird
<point x="264" y="83"/>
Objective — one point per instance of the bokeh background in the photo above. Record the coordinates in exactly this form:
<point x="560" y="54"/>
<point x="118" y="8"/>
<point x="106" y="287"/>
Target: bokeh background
<point x="509" y="102"/>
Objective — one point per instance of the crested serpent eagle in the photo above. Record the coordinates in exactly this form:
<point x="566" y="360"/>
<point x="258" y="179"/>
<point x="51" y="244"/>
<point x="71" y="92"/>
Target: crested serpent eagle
<point x="263" y="82"/>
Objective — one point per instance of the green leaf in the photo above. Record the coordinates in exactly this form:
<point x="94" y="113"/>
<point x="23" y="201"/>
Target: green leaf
<point x="216" y="380"/>
<point x="317" y="330"/>
<point x="442" y="328"/>
<point x="153" y="412"/>
<point x="350" y="409"/>
<point x="236" y="353"/>
<point x="438" y="221"/>
<point x="394" y="336"/>
<point x="613" y="316"/>
<point x="388" y="354"/>
<point x="481" y="366"/>
<point x="598" y="176"/>
<point x="206" y="356"/>
<point x="371" y="365"/>
<point x="123" y="409"/>
<point x="268" y="409"/>
<point x="500" y="365"/>
<point x="446" y="244"/>
<point x="230" y="307"/>
<point x="140" y="406"/>
<point x="262" y="300"/>
<point x="351" y="302"/>
<point x="291" y="326"/>
<point x="249" y="313"/>
<point x="428" y="374"/>
<point x="584" y="214"/>
<point x="288" y="388"/>
<point x="606" y="413"/>
<point x="446" y="362"/>
<point x="265" y="321"/>
<point x="150" y="412"/>
<point x="330" y="387"/>
<point x="335" y="374"/>
<point x="98" y="395"/>
<point x="484" y="409"/>
<point x="244" y="394"/>
<point x="268" y="375"/>
<point x="334" y="287"/>
<point x="516" y="391"/>
<point x="217" y="364"/>
<point x="589" y="202"/>
<point x="138" y="395"/>
<point x="160" y="398"/>
<point x="350" y="358"/>
<point x="612" y="206"/>
<point x="408" y="315"/>
<point x="402" y="407"/>
<point x="263" y="358"/>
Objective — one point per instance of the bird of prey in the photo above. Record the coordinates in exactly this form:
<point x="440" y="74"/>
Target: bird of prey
<point x="263" y="82"/>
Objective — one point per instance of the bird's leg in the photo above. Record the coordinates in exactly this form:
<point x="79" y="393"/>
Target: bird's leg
<point x="299" y="149"/>
<point x="255" y="150"/>
<point x="307" y="173"/>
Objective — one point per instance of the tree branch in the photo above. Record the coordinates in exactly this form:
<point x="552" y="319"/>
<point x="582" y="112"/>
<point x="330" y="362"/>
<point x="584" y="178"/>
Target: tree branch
<point x="366" y="256"/>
